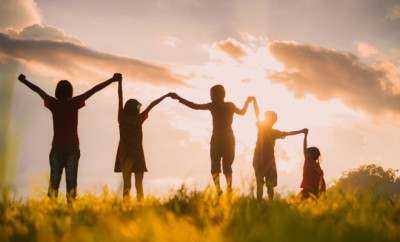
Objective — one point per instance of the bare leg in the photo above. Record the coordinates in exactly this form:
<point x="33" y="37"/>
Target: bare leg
<point x="228" y="178"/>
<point x="215" y="177"/>
<point x="270" y="189"/>
<point x="139" y="185"/>
<point x="260" y="184"/>
<point x="127" y="176"/>
<point x="260" y="188"/>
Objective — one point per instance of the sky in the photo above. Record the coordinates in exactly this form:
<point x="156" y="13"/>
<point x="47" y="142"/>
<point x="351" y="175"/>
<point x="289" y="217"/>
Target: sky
<point x="330" y="66"/>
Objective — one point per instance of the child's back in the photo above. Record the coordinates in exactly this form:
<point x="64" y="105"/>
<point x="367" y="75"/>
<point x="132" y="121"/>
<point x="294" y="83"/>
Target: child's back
<point x="313" y="182"/>
<point x="222" y="144"/>
<point x="264" y="152"/>
<point x="65" y="119"/>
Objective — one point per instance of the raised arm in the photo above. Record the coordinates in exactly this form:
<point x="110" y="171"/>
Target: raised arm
<point x="98" y="87"/>
<point x="256" y="109"/>
<point x="245" y="106"/>
<point x="34" y="88"/>
<point x="190" y="104"/>
<point x="155" y="102"/>
<point x="120" y="101"/>
<point x="305" y="143"/>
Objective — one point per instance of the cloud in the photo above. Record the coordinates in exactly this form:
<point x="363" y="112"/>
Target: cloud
<point x="76" y="60"/>
<point x="366" y="50"/>
<point x="232" y="48"/>
<point x="41" y="32"/>
<point x="171" y="41"/>
<point x="18" y="14"/>
<point x="395" y="13"/>
<point x="330" y="74"/>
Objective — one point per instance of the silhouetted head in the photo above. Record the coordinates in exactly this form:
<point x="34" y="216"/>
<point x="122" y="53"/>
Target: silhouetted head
<point x="314" y="152"/>
<point x="132" y="107"/>
<point x="270" y="117"/>
<point x="64" y="90"/>
<point x="217" y="93"/>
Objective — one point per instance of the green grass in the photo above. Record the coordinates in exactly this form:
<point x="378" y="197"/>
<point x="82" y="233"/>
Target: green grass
<point x="201" y="216"/>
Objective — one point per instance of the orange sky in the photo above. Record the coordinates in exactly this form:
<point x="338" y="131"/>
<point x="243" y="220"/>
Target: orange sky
<point x="335" y="72"/>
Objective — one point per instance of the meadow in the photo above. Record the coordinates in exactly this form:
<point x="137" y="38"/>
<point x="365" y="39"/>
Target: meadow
<point x="201" y="216"/>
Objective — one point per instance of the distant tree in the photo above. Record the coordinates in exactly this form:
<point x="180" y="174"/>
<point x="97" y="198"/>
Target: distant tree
<point x="372" y="179"/>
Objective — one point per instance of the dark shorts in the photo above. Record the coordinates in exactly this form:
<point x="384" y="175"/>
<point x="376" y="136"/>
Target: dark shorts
<point x="265" y="171"/>
<point x="222" y="149"/>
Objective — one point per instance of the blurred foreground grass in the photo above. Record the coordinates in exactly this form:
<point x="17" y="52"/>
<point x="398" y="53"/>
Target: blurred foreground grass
<point x="201" y="216"/>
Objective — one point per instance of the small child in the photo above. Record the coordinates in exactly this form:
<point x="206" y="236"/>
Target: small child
<point x="222" y="144"/>
<point x="313" y="183"/>
<point x="130" y="155"/>
<point x="264" y="154"/>
<point x="65" y="151"/>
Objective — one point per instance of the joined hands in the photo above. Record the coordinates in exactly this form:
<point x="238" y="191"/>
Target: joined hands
<point x="117" y="77"/>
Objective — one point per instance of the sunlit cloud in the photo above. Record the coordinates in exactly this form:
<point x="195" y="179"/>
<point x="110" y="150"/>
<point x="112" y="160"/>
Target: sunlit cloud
<point x="366" y="50"/>
<point x="171" y="41"/>
<point x="18" y="14"/>
<point x="331" y="74"/>
<point x="395" y="13"/>
<point x="232" y="48"/>
<point x="71" y="59"/>
<point x="41" y="32"/>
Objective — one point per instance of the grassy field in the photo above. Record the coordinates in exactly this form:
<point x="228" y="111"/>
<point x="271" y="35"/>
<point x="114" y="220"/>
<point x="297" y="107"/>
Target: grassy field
<point x="201" y="216"/>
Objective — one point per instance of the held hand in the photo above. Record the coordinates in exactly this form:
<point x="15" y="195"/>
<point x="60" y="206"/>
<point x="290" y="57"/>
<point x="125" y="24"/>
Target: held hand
<point x="305" y="131"/>
<point x="21" y="77"/>
<point x="117" y="77"/>
<point x="166" y="95"/>
<point x="170" y="94"/>
<point x="173" y="95"/>
<point x="249" y="99"/>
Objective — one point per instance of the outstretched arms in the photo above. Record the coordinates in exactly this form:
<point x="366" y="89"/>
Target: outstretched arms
<point x="296" y="132"/>
<point x="98" y="87"/>
<point x="190" y="104"/>
<point x="34" y="88"/>
<point x="155" y="102"/>
<point x="245" y="106"/>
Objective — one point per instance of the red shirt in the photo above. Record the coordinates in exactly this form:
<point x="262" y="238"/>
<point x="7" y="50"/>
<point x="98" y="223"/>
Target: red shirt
<point x="65" y="119"/>
<point x="312" y="177"/>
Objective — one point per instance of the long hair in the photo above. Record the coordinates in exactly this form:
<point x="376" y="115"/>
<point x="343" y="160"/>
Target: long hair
<point x="64" y="90"/>
<point x="132" y="107"/>
<point x="314" y="153"/>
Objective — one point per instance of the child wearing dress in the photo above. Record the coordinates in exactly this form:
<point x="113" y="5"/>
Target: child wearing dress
<point x="130" y="155"/>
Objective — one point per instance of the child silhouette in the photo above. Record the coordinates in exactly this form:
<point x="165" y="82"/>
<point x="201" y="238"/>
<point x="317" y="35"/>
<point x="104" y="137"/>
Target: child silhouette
<point x="65" y="151"/>
<point x="313" y="182"/>
<point x="222" y="144"/>
<point x="264" y="153"/>
<point x="130" y="155"/>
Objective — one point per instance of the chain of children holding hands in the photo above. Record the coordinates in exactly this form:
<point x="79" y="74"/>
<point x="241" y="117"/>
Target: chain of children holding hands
<point x="130" y="158"/>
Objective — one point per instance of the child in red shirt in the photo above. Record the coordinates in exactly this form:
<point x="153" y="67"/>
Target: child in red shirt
<point x="313" y="183"/>
<point x="65" y="151"/>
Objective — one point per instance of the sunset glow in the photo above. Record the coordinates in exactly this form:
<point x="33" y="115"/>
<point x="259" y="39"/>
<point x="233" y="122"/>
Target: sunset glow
<point x="336" y="73"/>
